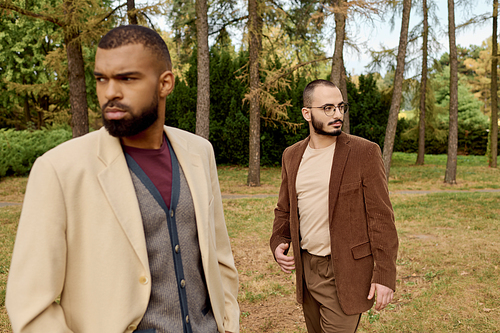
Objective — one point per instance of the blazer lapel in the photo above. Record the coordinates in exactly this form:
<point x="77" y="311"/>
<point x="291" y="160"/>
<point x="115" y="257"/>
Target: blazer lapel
<point x="117" y="185"/>
<point x="197" y="179"/>
<point x="342" y="150"/>
<point x="295" y="159"/>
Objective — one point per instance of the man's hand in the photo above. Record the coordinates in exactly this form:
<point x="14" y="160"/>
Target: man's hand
<point x="286" y="263"/>
<point x="384" y="295"/>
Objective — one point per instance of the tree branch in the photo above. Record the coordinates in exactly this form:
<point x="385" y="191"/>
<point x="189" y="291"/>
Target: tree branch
<point x="109" y="14"/>
<point x="228" y="23"/>
<point x="148" y="19"/>
<point x="291" y="70"/>
<point x="9" y="6"/>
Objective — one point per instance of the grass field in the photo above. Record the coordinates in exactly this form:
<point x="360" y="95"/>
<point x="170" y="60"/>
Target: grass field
<point x="448" y="262"/>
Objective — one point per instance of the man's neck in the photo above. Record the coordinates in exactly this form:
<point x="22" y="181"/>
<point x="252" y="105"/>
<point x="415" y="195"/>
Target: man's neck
<point x="319" y="141"/>
<point x="151" y="138"/>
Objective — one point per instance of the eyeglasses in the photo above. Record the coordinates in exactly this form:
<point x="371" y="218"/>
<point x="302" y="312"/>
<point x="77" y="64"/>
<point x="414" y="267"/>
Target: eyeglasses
<point x="330" y="108"/>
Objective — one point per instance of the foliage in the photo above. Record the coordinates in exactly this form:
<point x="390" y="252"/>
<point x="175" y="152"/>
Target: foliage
<point x="20" y="149"/>
<point x="27" y="87"/>
<point x="472" y="123"/>
<point x="480" y="81"/>
<point x="368" y="109"/>
<point x="229" y="121"/>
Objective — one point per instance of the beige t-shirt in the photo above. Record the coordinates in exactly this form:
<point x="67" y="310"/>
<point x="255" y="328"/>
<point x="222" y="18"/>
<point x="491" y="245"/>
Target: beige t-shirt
<point x="313" y="180"/>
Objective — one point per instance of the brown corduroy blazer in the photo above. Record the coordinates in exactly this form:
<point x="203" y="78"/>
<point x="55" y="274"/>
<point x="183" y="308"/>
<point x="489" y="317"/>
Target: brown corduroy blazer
<point x="364" y="241"/>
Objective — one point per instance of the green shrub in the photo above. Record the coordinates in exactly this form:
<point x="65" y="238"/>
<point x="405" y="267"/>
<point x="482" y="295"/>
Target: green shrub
<point x="20" y="149"/>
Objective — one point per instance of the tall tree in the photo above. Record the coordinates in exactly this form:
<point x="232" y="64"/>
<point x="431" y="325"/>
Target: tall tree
<point x="338" y="75"/>
<point x="131" y="13"/>
<point x="76" y="73"/>
<point x="423" y="86"/>
<point x="203" y="86"/>
<point x="494" y="89"/>
<point x="392" y="123"/>
<point x="255" y="45"/>
<point x="451" y="164"/>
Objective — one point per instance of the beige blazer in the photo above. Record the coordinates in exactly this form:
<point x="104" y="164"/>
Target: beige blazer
<point x="81" y="237"/>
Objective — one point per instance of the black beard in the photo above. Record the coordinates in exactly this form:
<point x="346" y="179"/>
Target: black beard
<point x="135" y="125"/>
<point x="318" y="128"/>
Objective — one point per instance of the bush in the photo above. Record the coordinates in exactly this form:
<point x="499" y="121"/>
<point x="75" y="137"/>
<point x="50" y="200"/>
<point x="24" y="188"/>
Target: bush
<point x="20" y="149"/>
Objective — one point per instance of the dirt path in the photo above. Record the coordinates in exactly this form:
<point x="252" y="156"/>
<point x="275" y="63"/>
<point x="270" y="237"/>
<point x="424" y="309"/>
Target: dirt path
<point x="258" y="196"/>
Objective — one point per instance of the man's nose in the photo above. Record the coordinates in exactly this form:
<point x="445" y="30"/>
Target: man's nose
<point x="113" y="91"/>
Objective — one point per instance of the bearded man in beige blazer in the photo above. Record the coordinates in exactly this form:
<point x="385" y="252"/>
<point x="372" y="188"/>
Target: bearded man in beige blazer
<point x="122" y="230"/>
<point x="334" y="208"/>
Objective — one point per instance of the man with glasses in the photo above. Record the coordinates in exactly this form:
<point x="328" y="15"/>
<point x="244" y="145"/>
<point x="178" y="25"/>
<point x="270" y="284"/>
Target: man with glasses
<point x="334" y="208"/>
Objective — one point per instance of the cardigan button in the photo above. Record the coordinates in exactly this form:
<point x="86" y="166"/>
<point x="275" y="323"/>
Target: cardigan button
<point x="177" y="248"/>
<point x="187" y="319"/>
<point x="172" y="213"/>
<point x="183" y="283"/>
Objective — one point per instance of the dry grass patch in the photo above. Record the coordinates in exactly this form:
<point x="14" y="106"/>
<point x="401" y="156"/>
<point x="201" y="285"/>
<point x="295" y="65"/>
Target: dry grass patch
<point x="12" y="189"/>
<point x="233" y="180"/>
<point x="8" y="226"/>
<point x="448" y="267"/>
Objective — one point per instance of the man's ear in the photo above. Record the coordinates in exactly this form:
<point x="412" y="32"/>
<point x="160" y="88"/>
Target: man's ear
<point x="167" y="83"/>
<point x="306" y="113"/>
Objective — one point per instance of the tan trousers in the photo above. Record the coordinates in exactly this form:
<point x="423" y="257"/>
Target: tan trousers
<point x="321" y="306"/>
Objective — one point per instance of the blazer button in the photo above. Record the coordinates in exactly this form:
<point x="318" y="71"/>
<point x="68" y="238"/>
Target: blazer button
<point x="143" y="280"/>
<point x="183" y="283"/>
<point x="132" y="327"/>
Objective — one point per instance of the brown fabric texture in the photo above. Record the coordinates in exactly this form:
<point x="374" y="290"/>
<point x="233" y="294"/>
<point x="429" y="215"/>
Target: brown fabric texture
<point x="322" y="310"/>
<point x="364" y="241"/>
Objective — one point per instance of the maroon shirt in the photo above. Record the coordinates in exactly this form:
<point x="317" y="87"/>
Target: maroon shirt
<point x="157" y="165"/>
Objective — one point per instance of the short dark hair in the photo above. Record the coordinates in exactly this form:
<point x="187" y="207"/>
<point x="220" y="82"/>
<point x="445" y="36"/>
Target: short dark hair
<point x="309" y="89"/>
<point x="136" y="34"/>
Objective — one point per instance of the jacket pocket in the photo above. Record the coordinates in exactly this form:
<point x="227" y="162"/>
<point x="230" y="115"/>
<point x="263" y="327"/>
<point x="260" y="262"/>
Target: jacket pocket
<point x="349" y="188"/>
<point x="361" y="251"/>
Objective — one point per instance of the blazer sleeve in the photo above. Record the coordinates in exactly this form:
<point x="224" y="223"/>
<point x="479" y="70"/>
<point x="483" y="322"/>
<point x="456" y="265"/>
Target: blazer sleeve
<point x="281" y="226"/>
<point x="380" y="219"/>
<point x="229" y="274"/>
<point x="38" y="264"/>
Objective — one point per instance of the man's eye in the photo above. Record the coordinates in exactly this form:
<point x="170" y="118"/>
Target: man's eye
<point x="328" y="108"/>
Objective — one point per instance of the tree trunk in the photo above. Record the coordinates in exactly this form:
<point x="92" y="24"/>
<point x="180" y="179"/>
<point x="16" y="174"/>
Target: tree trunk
<point x="77" y="86"/>
<point x="44" y="105"/>
<point x="27" y="112"/>
<point x="423" y="89"/>
<point x="203" y="96"/>
<point x="132" y="16"/>
<point x="392" y="123"/>
<point x="451" y="164"/>
<point x="494" y="90"/>
<point x="338" y="76"/>
<point x="255" y="44"/>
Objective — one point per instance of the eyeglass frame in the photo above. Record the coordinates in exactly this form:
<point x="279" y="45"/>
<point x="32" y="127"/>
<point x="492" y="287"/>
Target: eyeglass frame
<point x="335" y="107"/>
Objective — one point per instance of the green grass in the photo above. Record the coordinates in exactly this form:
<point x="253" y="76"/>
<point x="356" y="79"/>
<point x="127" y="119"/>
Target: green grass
<point x="472" y="173"/>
